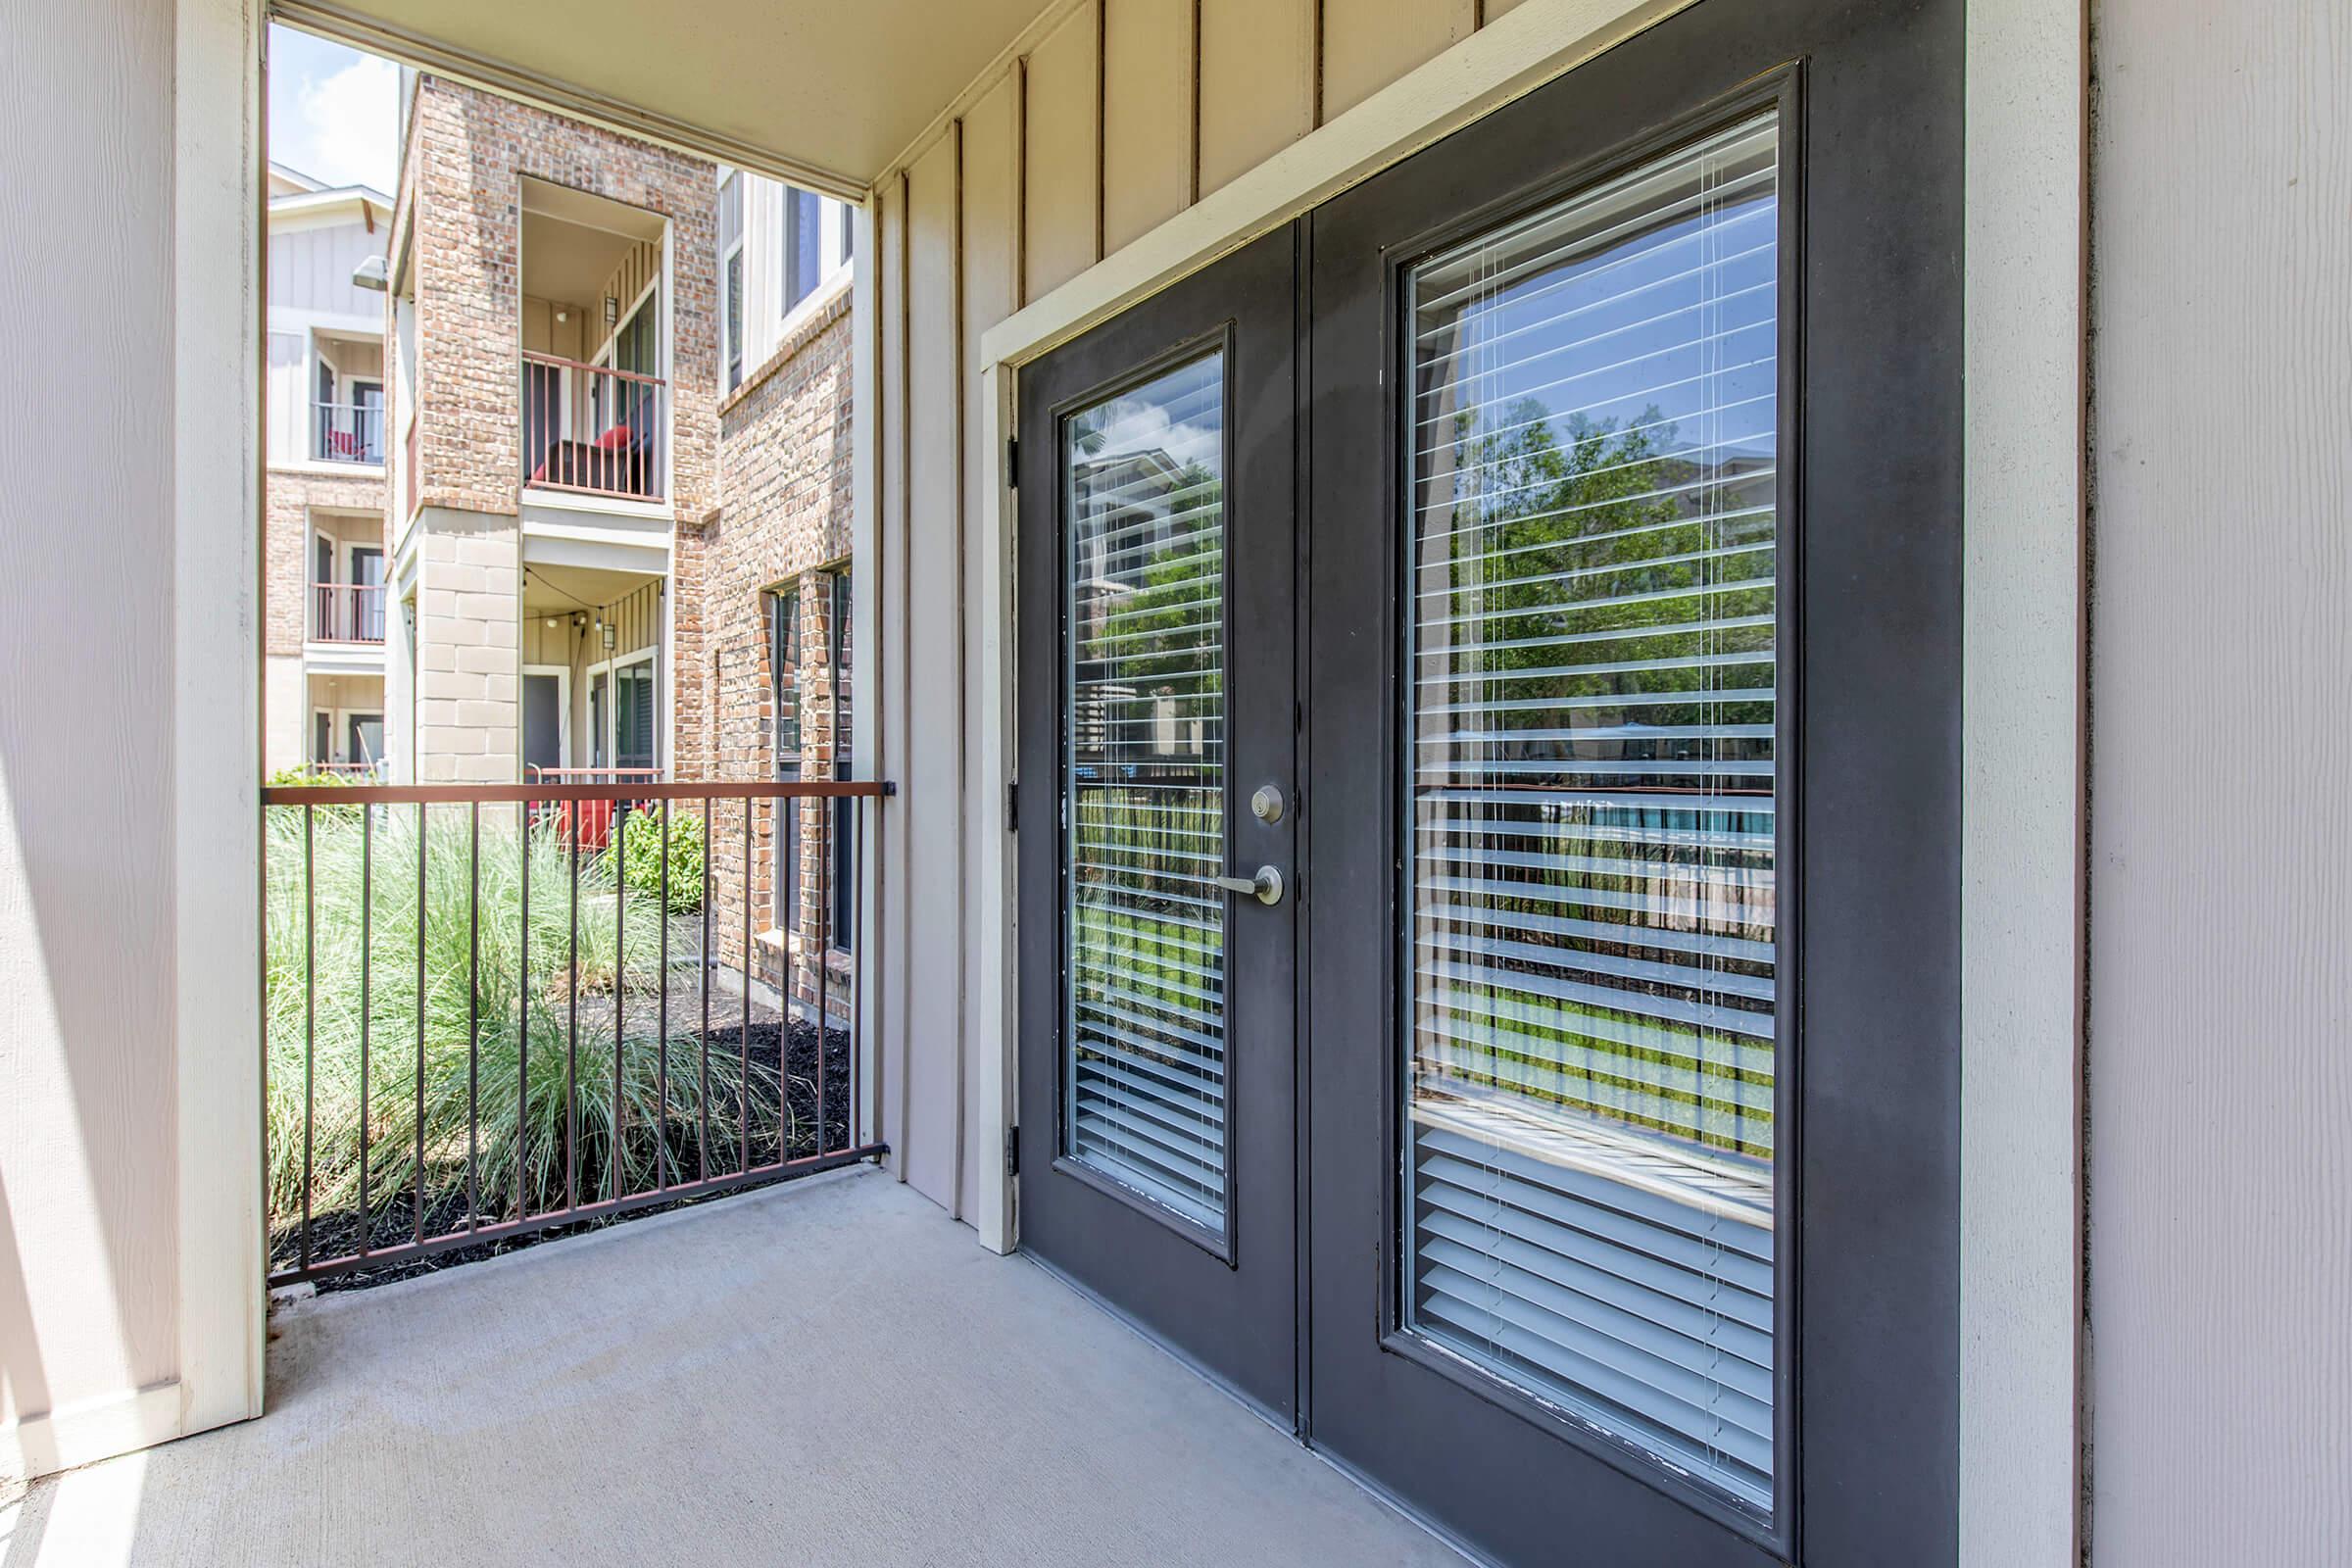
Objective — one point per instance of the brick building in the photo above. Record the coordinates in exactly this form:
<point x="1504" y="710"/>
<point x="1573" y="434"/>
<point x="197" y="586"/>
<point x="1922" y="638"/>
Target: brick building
<point x="619" y="513"/>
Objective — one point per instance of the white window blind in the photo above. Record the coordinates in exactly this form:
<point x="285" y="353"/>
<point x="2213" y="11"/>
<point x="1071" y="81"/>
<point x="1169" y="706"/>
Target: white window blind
<point x="1144" y="803"/>
<point x="1592" y="783"/>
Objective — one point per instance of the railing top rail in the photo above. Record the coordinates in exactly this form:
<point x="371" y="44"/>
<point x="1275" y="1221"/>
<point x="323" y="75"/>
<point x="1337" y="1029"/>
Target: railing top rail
<point x="543" y="775"/>
<point x="534" y="357"/>
<point x="520" y="794"/>
<point x="355" y="587"/>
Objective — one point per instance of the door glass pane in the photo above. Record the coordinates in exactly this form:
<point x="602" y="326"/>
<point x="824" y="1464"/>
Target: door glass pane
<point x="633" y="716"/>
<point x="1589" y="1069"/>
<point x="1144" y="1044"/>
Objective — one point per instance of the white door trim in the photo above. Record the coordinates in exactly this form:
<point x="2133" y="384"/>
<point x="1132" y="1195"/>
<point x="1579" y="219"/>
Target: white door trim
<point x="562" y="674"/>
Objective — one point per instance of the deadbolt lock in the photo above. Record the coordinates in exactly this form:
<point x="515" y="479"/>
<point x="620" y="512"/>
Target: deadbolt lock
<point x="1267" y="803"/>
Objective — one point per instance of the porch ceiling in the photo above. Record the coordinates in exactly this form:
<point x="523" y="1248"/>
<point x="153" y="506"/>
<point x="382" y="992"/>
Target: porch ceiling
<point x="832" y="87"/>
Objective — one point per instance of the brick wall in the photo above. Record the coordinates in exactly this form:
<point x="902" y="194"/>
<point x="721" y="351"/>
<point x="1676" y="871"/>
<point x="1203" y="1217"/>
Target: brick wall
<point x="288" y="495"/>
<point x="785" y="467"/>
<point x="459" y="214"/>
<point x="462" y="206"/>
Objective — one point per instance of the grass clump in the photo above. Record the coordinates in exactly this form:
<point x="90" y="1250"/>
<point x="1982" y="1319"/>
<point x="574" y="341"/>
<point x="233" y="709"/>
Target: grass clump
<point x="497" y="1035"/>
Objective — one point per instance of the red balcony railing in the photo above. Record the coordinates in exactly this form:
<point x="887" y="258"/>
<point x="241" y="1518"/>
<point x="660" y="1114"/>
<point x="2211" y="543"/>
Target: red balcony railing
<point x="592" y="428"/>
<point x="481" y="1025"/>
<point x="346" y="611"/>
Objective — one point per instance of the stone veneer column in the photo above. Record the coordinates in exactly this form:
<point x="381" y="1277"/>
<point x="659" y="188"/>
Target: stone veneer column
<point x="468" y="647"/>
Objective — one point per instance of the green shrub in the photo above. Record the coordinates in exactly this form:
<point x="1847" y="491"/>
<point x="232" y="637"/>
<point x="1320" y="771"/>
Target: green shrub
<point x="527" y="1078"/>
<point x="641" y="857"/>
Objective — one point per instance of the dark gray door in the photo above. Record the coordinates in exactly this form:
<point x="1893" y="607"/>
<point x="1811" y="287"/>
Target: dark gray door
<point x="542" y="721"/>
<point x="1602" y="1202"/>
<point x="1636" y="420"/>
<point x="1157" y="830"/>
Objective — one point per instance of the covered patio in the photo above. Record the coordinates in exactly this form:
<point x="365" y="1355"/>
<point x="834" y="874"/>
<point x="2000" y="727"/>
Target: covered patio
<point x="827" y="1371"/>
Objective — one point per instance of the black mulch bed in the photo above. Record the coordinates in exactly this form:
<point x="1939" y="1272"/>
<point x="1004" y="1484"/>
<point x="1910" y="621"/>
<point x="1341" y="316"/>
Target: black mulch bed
<point x="337" y="1234"/>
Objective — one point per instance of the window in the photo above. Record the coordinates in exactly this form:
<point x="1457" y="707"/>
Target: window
<point x="1143" y="603"/>
<point x="635" y="738"/>
<point x="734" y="317"/>
<point x="784" y="701"/>
<point x="804" y="244"/>
<point x="1592" y="778"/>
<point x="730" y="251"/>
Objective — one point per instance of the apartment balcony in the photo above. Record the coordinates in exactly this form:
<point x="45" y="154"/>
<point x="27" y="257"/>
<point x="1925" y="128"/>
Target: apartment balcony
<point x="592" y="430"/>
<point x="348" y="432"/>
<point x="828" y="1368"/>
<point x="346" y="612"/>
<point x="829" y="1371"/>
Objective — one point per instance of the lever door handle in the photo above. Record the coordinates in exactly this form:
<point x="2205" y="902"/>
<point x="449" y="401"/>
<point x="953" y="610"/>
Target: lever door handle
<point x="1266" y="886"/>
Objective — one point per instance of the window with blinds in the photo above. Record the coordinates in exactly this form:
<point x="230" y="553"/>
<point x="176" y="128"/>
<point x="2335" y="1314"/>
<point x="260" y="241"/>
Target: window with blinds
<point x="1144" y="803"/>
<point x="1591" y="803"/>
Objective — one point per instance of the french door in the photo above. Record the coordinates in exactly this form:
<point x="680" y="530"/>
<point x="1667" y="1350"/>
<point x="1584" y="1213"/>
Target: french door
<point x="1157" y="974"/>
<point x="1576" y="552"/>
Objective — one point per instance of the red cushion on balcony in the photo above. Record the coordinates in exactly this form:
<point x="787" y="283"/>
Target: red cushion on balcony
<point x="615" y="439"/>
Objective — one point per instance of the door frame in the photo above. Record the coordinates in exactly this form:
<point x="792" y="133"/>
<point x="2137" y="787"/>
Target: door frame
<point x="562" y="675"/>
<point x="2026" y="139"/>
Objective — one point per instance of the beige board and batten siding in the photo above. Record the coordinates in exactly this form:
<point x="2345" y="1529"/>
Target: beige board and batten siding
<point x="1105" y="120"/>
<point x="2221" y="845"/>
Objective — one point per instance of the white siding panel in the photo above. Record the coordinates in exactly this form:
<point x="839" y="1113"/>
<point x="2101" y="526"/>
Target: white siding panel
<point x="2221" y="1078"/>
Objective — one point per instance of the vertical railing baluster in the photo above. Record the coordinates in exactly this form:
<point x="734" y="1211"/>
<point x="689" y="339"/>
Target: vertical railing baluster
<point x="824" y="953"/>
<point x="424" y="913"/>
<point x="662" y="1024"/>
<point x="522" y="1024"/>
<point x="473" y="1024"/>
<point x="743" y="1036"/>
<point x="309" y="1021"/>
<point x="620" y="981"/>
<point x="571" y="991"/>
<point x="709" y="888"/>
<point x="367" y="955"/>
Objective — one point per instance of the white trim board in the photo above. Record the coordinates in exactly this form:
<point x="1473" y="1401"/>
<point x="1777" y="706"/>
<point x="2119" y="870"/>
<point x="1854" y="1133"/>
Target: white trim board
<point x="2024" y="716"/>
<point x="219" y="220"/>
<point x="2021" y="1185"/>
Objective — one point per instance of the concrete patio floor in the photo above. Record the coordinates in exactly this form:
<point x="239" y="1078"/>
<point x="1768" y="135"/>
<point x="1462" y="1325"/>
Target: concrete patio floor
<point x="830" y="1371"/>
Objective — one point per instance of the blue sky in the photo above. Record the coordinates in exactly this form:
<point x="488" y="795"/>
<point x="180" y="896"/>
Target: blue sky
<point x="334" y="111"/>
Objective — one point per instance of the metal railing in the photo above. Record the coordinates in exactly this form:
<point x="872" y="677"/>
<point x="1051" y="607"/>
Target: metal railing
<point x="346" y="611"/>
<point x="592" y="428"/>
<point x="480" y="1024"/>
<point x="348" y="432"/>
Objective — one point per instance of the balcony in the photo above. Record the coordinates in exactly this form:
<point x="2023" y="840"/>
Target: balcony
<point x="589" y="429"/>
<point x="348" y="432"/>
<point x="346" y="612"/>
<point x="826" y="1369"/>
<point x="829" y="1371"/>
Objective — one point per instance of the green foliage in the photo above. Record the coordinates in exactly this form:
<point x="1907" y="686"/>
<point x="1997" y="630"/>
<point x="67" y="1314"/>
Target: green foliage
<point x="520" y="1072"/>
<point x="640" y="857"/>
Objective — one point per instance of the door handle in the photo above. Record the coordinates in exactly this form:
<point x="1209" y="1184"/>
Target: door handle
<point x="1266" y="886"/>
